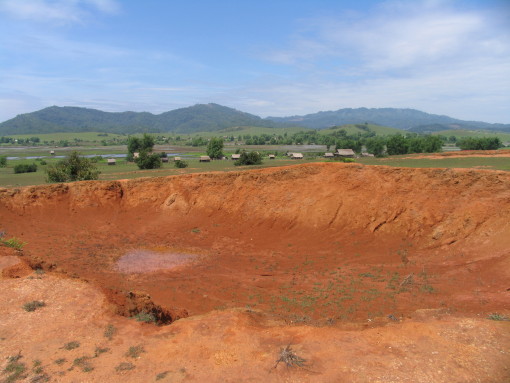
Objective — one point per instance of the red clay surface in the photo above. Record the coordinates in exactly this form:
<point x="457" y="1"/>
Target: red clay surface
<point x="312" y="255"/>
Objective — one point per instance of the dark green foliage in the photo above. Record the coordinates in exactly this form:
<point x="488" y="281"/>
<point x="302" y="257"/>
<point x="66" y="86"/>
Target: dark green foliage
<point x="15" y="369"/>
<point x="375" y="146"/>
<point x="148" y="160"/>
<point x="25" y="168"/>
<point x="397" y="144"/>
<point x="72" y="168"/>
<point x="135" y="144"/>
<point x="3" y="161"/>
<point x="180" y="164"/>
<point x="215" y="148"/>
<point x="482" y="143"/>
<point x="249" y="158"/>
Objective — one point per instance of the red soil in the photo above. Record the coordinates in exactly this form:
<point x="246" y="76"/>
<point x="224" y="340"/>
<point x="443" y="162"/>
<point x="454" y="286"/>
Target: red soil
<point x="314" y="244"/>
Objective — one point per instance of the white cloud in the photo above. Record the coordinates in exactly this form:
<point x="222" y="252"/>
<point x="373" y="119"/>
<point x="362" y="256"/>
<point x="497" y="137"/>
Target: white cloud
<point x="63" y="11"/>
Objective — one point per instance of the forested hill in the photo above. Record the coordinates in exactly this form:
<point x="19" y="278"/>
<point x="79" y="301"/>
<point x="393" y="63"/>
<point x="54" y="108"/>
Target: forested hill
<point x="405" y="119"/>
<point x="214" y="117"/>
<point x="198" y="118"/>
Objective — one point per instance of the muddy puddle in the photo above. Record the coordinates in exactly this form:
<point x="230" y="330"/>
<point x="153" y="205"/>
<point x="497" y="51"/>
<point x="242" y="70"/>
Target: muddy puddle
<point x="147" y="261"/>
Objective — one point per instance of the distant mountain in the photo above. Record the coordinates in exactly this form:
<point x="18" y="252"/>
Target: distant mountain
<point x="405" y="119"/>
<point x="214" y="117"/>
<point x="198" y="118"/>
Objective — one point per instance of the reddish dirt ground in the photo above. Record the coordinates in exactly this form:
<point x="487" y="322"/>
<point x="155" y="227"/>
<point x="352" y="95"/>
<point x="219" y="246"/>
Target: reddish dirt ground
<point x="373" y="274"/>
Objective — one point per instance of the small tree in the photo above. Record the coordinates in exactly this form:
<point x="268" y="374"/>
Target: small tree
<point x="135" y="144"/>
<point x="3" y="161"/>
<point x="249" y="158"/>
<point x="215" y="148"/>
<point x="147" y="160"/>
<point x="72" y="168"/>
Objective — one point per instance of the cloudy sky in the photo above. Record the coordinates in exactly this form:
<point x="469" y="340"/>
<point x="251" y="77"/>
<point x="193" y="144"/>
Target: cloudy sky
<point x="266" y="57"/>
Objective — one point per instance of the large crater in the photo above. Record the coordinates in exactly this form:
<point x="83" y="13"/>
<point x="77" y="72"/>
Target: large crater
<point x="307" y="243"/>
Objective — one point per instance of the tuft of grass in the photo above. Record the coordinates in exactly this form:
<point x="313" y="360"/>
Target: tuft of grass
<point x="100" y="350"/>
<point x="195" y="230"/>
<point x="125" y="366"/>
<point x="144" y="316"/>
<point x="109" y="332"/>
<point x="71" y="345"/>
<point x="15" y="369"/>
<point x="162" y="375"/>
<point x="60" y="361"/>
<point x="290" y="358"/>
<point x="498" y="317"/>
<point x="83" y="363"/>
<point x="135" y="351"/>
<point x="13" y="242"/>
<point x="33" y="305"/>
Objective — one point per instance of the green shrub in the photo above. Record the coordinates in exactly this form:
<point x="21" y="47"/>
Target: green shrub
<point x="144" y="316"/>
<point x="180" y="164"/>
<point x="3" y="161"/>
<point x="34" y="305"/>
<point x="13" y="242"/>
<point x="249" y="158"/>
<point x="72" y="168"/>
<point x="146" y="160"/>
<point x="25" y="168"/>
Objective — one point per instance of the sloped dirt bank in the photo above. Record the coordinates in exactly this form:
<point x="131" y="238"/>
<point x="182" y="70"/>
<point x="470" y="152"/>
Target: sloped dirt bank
<point x="310" y="243"/>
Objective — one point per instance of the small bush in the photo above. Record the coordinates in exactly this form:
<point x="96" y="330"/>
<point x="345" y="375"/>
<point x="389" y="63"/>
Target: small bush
<point x="289" y="357"/>
<point x="180" y="164"/>
<point x="25" y="168"/>
<point x="83" y="363"/>
<point x="71" y="345"/>
<point x="34" y="305"/>
<point x="110" y="331"/>
<point x="125" y="366"/>
<point x="15" y="369"/>
<point x="148" y="161"/>
<point x="3" y="161"/>
<point x="498" y="317"/>
<point x="13" y="242"/>
<point x="249" y="158"/>
<point x="144" y="316"/>
<point x="135" y="351"/>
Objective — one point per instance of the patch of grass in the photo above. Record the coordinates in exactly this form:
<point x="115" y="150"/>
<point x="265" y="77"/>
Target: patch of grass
<point x="37" y="368"/>
<point x="33" y="305"/>
<point x="135" y="351"/>
<point x="146" y="317"/>
<point x="125" y="366"/>
<point x="162" y="375"/>
<point x="60" y="361"/>
<point x="71" y="345"/>
<point x="109" y="332"/>
<point x="100" y="350"/>
<point x="15" y="369"/>
<point x="290" y="358"/>
<point x="498" y="317"/>
<point x="13" y="242"/>
<point x="42" y="378"/>
<point x="195" y="230"/>
<point x="83" y="363"/>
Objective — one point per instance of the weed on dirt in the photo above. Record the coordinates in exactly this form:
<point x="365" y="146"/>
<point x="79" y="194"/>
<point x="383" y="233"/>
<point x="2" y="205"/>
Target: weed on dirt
<point x="15" y="370"/>
<point x="125" y="366"/>
<point x="109" y="332"/>
<point x="498" y="317"/>
<point x="33" y="305"/>
<point x="71" y="345"/>
<point x="135" y="351"/>
<point x="290" y="358"/>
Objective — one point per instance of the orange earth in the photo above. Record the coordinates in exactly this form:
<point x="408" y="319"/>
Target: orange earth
<point x="371" y="274"/>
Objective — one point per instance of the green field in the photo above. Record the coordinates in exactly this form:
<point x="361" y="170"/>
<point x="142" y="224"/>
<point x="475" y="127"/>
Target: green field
<point x="504" y="137"/>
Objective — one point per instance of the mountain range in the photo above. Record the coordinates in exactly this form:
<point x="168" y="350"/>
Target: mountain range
<point x="214" y="117"/>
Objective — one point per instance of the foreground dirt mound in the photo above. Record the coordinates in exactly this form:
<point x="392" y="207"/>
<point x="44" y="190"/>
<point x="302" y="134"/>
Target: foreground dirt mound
<point x="320" y="245"/>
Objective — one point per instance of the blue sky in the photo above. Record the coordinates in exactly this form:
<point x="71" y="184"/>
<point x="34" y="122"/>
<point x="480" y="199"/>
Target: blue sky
<point x="266" y="57"/>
